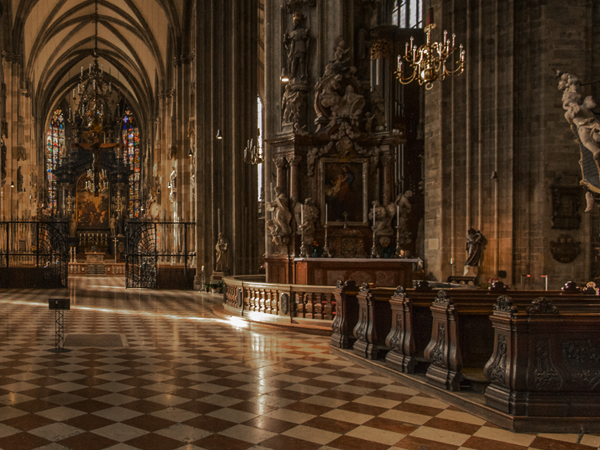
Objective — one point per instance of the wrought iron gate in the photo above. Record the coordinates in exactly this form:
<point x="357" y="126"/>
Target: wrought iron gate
<point x="141" y="255"/>
<point x="34" y="254"/>
<point x="160" y="254"/>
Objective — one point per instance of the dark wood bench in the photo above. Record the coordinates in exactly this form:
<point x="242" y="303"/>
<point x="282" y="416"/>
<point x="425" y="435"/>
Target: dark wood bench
<point x="374" y="322"/>
<point x="346" y="314"/>
<point x="545" y="361"/>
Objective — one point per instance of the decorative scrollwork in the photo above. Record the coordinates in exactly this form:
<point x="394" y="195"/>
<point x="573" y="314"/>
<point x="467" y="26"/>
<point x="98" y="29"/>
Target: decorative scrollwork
<point x="497" y="370"/>
<point x="400" y="292"/>
<point x="142" y="257"/>
<point x="505" y="304"/>
<point x="542" y="306"/>
<point x="545" y="375"/>
<point x="437" y="354"/>
<point x="442" y="298"/>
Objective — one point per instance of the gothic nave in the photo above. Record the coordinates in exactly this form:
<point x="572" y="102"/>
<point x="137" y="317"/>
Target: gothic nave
<point x="418" y="178"/>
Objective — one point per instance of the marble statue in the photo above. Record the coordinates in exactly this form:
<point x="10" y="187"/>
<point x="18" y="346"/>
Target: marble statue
<point x="173" y="184"/>
<point x="279" y="224"/>
<point x="383" y="220"/>
<point x="403" y="204"/>
<point x="297" y="43"/>
<point x="306" y="225"/>
<point x="579" y="113"/>
<point x="113" y="226"/>
<point x="222" y="254"/>
<point x="476" y="243"/>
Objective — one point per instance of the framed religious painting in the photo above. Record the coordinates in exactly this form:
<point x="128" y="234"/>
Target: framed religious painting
<point x="92" y="209"/>
<point x="343" y="191"/>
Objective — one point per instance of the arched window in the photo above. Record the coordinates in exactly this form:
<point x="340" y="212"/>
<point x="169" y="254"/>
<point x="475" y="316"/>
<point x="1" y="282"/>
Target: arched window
<point x="55" y="143"/>
<point x="408" y="13"/>
<point x="131" y="158"/>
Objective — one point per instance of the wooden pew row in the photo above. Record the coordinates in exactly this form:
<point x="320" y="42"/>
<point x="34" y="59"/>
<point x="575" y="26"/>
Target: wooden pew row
<point x="442" y="331"/>
<point x="462" y="333"/>
<point x="545" y="362"/>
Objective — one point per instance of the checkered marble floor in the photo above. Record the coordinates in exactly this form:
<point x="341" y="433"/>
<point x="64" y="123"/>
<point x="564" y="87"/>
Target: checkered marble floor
<point x="188" y="380"/>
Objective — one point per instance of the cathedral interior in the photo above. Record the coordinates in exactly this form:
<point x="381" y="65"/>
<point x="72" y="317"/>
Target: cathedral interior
<point x="299" y="223"/>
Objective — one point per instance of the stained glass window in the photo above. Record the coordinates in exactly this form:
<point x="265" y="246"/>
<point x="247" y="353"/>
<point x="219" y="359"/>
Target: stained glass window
<point x="131" y="158"/>
<point x="55" y="142"/>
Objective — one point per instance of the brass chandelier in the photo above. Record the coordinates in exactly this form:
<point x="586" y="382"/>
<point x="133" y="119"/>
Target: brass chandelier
<point x="93" y="92"/>
<point x="428" y="61"/>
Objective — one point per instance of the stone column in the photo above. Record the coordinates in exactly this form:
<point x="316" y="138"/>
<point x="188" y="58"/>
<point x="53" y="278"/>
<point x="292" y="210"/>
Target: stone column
<point x="280" y="162"/>
<point x="388" y="178"/>
<point x="293" y="161"/>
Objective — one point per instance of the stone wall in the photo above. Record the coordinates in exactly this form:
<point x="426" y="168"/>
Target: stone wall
<point x="496" y="139"/>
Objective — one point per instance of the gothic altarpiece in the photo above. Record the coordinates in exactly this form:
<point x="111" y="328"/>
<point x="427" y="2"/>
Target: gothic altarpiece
<point x="346" y="162"/>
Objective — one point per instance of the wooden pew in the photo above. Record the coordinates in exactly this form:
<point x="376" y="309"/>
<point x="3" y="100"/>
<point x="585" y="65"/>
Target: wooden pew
<point x="346" y="314"/>
<point x="545" y="361"/>
<point x="374" y="322"/>
<point x="462" y="334"/>
<point x="410" y="329"/>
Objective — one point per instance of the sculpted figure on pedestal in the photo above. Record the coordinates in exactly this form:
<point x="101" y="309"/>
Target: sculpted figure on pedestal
<point x="297" y="43"/>
<point x="222" y="254"/>
<point x="279" y="224"/>
<point x="476" y="243"/>
<point x="579" y="113"/>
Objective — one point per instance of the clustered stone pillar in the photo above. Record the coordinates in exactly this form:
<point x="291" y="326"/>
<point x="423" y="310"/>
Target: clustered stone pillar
<point x="226" y="68"/>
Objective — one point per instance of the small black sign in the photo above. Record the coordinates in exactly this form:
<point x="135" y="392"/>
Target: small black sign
<point x="59" y="303"/>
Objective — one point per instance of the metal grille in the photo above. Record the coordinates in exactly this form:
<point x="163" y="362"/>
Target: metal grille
<point x="152" y="245"/>
<point x="33" y="254"/>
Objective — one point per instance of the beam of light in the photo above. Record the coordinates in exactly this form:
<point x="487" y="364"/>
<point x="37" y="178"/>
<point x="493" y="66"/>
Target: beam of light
<point x="132" y="313"/>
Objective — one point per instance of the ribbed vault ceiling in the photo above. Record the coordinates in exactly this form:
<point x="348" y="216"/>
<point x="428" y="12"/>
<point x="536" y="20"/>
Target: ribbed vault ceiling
<point x="136" y="41"/>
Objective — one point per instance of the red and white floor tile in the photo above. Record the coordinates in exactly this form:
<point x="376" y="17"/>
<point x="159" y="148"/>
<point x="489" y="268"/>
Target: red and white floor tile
<point x="184" y="379"/>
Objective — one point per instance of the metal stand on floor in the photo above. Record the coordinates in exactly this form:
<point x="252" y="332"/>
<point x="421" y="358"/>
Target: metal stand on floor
<point x="59" y="306"/>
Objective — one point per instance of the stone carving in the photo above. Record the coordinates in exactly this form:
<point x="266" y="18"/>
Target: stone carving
<point x="377" y="114"/>
<point x="400" y="292"/>
<point x="222" y="254"/>
<point x="383" y="220"/>
<point x="297" y="44"/>
<point x="579" y="113"/>
<point x="173" y="185"/>
<point x="338" y="92"/>
<point x="306" y="227"/>
<point x="113" y="226"/>
<point x="505" y="304"/>
<point x="294" y="104"/>
<point x="545" y="375"/>
<point x="496" y="372"/>
<point x="284" y="302"/>
<point x="279" y="224"/>
<point x="476" y="243"/>
<point x="542" y="306"/>
<point x="442" y="298"/>
<point x="565" y="249"/>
